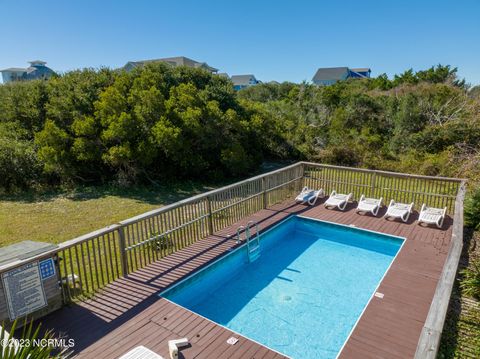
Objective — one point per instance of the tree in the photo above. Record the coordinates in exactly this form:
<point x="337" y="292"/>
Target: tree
<point x="19" y="165"/>
<point x="24" y="103"/>
<point x="441" y="74"/>
<point x="159" y="122"/>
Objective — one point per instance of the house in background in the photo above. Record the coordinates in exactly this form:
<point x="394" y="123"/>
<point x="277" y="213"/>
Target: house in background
<point x="330" y="75"/>
<point x="243" y="81"/>
<point x="174" y="61"/>
<point x="363" y="72"/>
<point x="36" y="70"/>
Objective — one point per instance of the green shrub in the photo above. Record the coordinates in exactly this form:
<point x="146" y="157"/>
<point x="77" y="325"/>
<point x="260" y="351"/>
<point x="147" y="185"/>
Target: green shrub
<point x="471" y="280"/>
<point x="156" y="122"/>
<point x="19" y="165"/>
<point x="235" y="159"/>
<point x="340" y="155"/>
<point x="472" y="209"/>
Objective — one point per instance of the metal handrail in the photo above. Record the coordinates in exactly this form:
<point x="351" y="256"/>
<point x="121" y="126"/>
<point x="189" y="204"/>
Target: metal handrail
<point x="239" y="240"/>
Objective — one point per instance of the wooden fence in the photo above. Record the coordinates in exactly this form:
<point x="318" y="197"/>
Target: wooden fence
<point x="90" y="262"/>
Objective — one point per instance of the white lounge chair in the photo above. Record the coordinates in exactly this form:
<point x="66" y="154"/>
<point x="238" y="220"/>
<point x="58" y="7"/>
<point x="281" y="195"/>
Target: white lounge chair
<point x="371" y="205"/>
<point x="309" y="196"/>
<point x="338" y="200"/>
<point x="140" y="352"/>
<point x="399" y="210"/>
<point x="431" y="215"/>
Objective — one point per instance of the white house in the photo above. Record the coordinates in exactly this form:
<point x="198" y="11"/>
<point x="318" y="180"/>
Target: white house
<point x="36" y="70"/>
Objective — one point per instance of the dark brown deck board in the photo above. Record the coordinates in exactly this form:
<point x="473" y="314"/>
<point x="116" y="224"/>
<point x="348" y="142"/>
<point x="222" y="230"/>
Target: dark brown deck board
<point x="129" y="311"/>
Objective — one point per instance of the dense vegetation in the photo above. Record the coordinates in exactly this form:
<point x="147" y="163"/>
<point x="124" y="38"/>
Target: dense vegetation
<point x="157" y="122"/>
<point x="423" y="123"/>
<point x="100" y="126"/>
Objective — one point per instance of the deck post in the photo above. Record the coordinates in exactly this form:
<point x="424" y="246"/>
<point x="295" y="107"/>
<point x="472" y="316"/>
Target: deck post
<point x="264" y="191"/>
<point x="123" y="252"/>
<point x="209" y="216"/>
<point x="373" y="184"/>
<point x="303" y="179"/>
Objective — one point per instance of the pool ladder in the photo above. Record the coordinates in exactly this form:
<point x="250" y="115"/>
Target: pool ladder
<point x="253" y="244"/>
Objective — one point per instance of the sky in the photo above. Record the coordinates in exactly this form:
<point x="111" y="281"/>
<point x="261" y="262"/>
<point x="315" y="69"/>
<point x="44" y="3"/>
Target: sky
<point x="274" y="40"/>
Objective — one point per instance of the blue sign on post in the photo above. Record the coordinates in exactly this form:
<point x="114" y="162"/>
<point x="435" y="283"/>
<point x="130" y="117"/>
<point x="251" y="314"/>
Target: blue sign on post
<point x="47" y="268"/>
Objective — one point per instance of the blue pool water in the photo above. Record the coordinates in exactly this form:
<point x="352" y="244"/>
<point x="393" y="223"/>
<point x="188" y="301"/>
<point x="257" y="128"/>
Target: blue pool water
<point x="304" y="294"/>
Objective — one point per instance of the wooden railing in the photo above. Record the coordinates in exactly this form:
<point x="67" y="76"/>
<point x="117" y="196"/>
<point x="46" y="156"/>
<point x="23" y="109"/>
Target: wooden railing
<point x="90" y="262"/>
<point x="434" y="191"/>
<point x="429" y="342"/>
<point x="155" y="234"/>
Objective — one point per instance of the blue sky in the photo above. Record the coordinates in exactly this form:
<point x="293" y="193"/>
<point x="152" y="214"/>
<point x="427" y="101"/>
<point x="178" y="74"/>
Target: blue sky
<point x="275" y="40"/>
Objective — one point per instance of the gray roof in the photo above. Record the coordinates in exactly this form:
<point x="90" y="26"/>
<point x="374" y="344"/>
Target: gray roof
<point x="242" y="79"/>
<point x="176" y="61"/>
<point x="23" y="250"/>
<point x="31" y="73"/>
<point x="15" y="69"/>
<point x="30" y="69"/>
<point x="361" y="69"/>
<point x="330" y="73"/>
<point x="40" y="62"/>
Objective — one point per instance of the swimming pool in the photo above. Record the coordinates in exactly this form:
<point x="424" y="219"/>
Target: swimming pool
<point x="303" y="295"/>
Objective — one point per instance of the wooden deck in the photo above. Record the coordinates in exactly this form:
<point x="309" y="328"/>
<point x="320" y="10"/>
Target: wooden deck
<point x="129" y="312"/>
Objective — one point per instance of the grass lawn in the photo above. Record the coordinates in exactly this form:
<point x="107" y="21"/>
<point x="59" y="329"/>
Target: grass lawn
<point x="461" y="334"/>
<point x="63" y="215"/>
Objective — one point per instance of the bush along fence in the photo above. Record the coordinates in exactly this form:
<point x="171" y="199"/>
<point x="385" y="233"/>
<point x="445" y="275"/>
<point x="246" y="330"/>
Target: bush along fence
<point x="92" y="261"/>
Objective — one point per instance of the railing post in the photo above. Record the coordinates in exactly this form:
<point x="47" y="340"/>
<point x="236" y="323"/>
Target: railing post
<point x="264" y="190"/>
<point x="123" y="252"/>
<point x="374" y="183"/>
<point x="303" y="180"/>
<point x="209" y="216"/>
